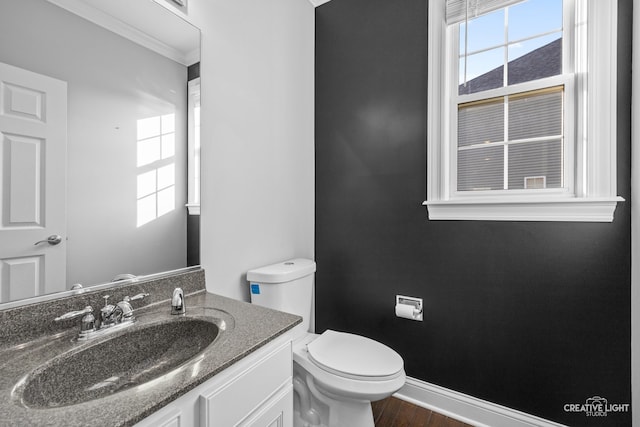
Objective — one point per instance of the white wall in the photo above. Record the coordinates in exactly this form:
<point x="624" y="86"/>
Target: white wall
<point x="257" y="136"/>
<point x="112" y="83"/>
<point x="635" y="221"/>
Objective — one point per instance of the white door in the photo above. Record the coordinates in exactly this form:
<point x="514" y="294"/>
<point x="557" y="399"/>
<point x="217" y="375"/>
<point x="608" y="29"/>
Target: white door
<point x="33" y="139"/>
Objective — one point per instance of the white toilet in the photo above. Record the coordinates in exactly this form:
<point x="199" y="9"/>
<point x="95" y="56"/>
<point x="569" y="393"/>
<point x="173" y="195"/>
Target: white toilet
<point x="336" y="375"/>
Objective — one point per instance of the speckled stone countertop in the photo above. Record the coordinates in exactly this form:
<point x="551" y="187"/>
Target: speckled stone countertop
<point x="29" y="342"/>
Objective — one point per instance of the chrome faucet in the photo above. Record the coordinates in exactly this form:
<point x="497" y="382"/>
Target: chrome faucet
<point x="125" y="309"/>
<point x="88" y="323"/>
<point x="121" y="312"/>
<point x="117" y="316"/>
<point x="177" y="302"/>
<point x="106" y="313"/>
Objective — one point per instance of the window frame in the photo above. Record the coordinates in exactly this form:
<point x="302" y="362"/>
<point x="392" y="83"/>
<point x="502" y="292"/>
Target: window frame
<point x="193" y="149"/>
<point x="591" y="193"/>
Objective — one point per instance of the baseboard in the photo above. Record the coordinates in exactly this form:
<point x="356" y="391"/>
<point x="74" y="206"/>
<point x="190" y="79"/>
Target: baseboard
<point x="467" y="409"/>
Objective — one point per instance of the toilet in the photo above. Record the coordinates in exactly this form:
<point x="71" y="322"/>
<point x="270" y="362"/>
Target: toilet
<point x="336" y="375"/>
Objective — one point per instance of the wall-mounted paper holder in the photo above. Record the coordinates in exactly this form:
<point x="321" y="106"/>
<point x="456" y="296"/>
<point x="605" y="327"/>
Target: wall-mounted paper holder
<point x="409" y="307"/>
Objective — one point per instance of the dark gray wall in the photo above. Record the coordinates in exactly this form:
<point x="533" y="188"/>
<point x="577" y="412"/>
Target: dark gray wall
<point x="193" y="240"/>
<point x="527" y="315"/>
<point x="193" y="221"/>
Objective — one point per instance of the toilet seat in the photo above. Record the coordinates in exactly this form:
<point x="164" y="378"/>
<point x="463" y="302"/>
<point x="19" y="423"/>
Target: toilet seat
<point x="340" y="385"/>
<point x="355" y="357"/>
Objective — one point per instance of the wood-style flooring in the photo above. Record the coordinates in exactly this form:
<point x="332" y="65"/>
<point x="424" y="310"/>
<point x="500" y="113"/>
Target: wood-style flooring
<point x="393" y="412"/>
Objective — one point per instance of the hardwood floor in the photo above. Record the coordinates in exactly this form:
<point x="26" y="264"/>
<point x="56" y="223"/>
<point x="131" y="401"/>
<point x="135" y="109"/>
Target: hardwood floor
<point x="393" y="412"/>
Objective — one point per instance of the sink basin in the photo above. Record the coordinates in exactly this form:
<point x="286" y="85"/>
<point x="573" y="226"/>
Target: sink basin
<point x="127" y="360"/>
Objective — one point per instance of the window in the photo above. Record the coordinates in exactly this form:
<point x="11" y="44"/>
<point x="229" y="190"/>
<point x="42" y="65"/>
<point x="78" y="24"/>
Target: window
<point x="193" y="190"/>
<point x="521" y="108"/>
<point x="156" y="150"/>
<point x="179" y="6"/>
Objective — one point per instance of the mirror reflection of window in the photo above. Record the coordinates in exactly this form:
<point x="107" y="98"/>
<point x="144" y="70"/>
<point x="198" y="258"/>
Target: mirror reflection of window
<point x="179" y="6"/>
<point x="157" y="178"/>
<point x="193" y="203"/>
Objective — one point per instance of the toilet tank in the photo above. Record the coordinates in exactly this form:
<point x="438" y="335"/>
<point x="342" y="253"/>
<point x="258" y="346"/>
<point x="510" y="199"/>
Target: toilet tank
<point x="285" y="286"/>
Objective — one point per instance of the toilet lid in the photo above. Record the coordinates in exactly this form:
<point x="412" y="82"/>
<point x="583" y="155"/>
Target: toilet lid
<point x="354" y="356"/>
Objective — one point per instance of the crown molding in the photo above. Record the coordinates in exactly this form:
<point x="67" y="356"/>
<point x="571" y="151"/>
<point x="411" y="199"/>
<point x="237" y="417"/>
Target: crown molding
<point x="317" y="3"/>
<point x="126" y="30"/>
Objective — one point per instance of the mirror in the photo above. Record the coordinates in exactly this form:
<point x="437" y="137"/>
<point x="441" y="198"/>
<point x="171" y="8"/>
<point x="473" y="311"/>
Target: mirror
<point x="125" y="164"/>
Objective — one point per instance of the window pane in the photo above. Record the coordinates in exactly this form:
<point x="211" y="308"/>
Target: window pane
<point x="536" y="114"/>
<point x="166" y="176"/>
<point x="481" y="169"/>
<point x="535" y="165"/>
<point x="535" y="59"/>
<point x="481" y="123"/>
<point x="168" y="145"/>
<point x="534" y="17"/>
<point x="166" y="200"/>
<point x="147" y="183"/>
<point x="485" y="71"/>
<point x="484" y="31"/>
<point x="148" y="151"/>
<point x="148" y="128"/>
<point x="146" y="209"/>
<point x="168" y="123"/>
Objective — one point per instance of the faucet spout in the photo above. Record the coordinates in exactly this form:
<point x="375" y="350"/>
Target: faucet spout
<point x="177" y="302"/>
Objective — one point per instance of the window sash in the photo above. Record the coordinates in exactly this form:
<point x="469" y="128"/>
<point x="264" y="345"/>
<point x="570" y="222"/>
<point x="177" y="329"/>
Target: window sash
<point x="459" y="10"/>
<point x="568" y="137"/>
<point x="567" y="80"/>
<point x="193" y="149"/>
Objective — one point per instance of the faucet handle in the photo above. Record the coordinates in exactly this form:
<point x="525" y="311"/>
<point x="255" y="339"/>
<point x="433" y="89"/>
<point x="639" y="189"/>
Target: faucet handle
<point x="135" y="297"/>
<point x="124" y="308"/>
<point x="74" y="314"/>
<point x="88" y="324"/>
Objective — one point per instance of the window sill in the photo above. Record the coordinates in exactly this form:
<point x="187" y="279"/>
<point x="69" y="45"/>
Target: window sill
<point x="193" y="208"/>
<point x="574" y="209"/>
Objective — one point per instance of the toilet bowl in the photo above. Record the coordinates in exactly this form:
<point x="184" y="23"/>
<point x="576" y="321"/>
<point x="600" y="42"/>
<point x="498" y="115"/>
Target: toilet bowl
<point x="344" y="373"/>
<point x="336" y="374"/>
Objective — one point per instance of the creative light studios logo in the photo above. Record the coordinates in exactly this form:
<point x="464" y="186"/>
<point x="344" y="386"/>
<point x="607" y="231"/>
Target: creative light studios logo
<point x="596" y="406"/>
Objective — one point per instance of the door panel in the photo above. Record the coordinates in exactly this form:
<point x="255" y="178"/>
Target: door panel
<point x="21" y="278"/>
<point x="33" y="137"/>
<point x="22" y="102"/>
<point x="24" y="175"/>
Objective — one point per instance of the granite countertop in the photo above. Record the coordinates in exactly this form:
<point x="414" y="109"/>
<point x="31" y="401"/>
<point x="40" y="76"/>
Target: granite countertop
<point x="245" y="328"/>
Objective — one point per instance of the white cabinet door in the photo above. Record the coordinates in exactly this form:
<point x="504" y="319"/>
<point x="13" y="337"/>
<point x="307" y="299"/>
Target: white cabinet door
<point x="179" y="413"/>
<point x="278" y="412"/>
<point x="172" y="421"/>
<point x="256" y="391"/>
<point x="237" y="400"/>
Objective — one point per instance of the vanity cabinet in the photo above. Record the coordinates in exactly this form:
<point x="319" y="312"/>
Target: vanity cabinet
<point x="261" y="385"/>
<point x="256" y="391"/>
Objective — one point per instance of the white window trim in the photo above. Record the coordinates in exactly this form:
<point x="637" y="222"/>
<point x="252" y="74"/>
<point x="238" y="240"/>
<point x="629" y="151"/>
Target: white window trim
<point x="594" y="196"/>
<point x="193" y="195"/>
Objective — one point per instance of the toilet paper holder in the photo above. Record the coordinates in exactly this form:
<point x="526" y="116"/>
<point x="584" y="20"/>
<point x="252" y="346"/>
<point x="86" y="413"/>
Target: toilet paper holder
<point x="409" y="307"/>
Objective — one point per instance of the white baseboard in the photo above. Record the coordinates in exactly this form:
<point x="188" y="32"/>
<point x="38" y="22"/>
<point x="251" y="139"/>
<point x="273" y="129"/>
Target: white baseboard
<point x="465" y="408"/>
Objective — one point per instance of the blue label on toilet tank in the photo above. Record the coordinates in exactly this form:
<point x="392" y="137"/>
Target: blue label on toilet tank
<point x="255" y="289"/>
